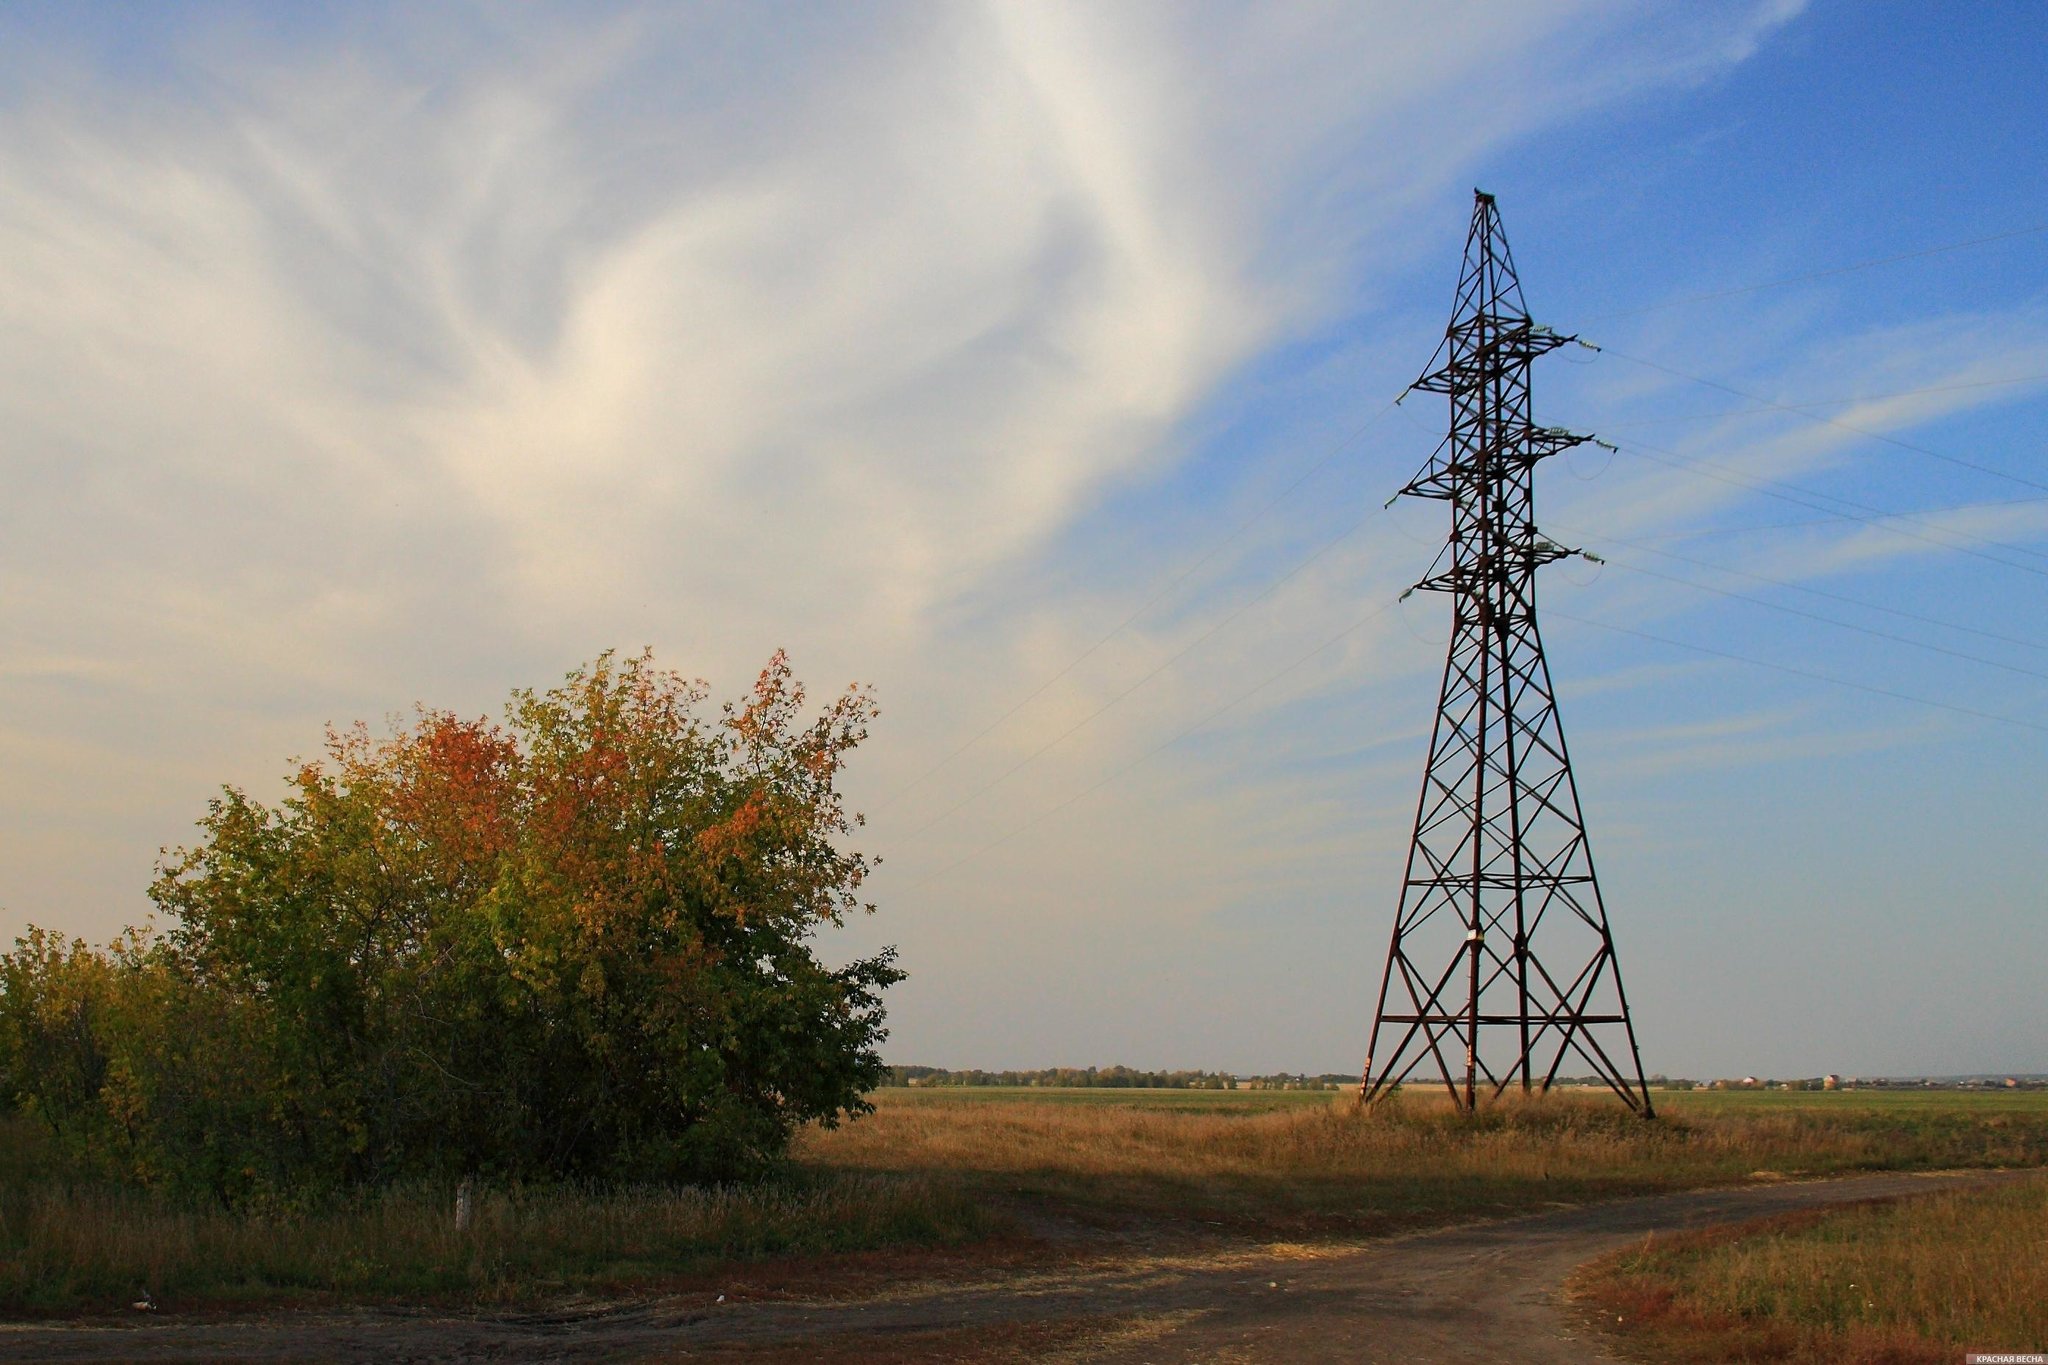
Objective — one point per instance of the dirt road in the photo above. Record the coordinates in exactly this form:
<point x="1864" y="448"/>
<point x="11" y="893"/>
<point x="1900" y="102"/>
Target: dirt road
<point x="1482" y="1292"/>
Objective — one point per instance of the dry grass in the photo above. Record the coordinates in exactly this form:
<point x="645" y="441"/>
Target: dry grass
<point x="928" y="1169"/>
<point x="1411" y="1161"/>
<point x="67" y="1247"/>
<point x="1894" y="1282"/>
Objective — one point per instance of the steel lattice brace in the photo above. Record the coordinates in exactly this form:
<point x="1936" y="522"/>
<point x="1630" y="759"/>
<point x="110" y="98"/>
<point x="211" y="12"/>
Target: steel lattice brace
<point x="1502" y="965"/>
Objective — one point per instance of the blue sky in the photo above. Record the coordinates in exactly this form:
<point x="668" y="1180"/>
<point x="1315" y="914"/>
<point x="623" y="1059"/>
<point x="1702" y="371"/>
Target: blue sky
<point x="1042" y="355"/>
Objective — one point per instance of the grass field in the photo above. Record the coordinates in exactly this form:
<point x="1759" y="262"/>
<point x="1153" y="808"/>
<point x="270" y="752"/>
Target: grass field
<point x="1900" y="1282"/>
<point x="1308" y="1162"/>
<point x="1902" y="1102"/>
<point x="1187" y="1101"/>
<point x="1672" y="1102"/>
<point x="949" y="1165"/>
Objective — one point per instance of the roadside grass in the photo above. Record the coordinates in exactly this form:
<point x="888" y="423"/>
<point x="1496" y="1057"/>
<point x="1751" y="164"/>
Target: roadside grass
<point x="1896" y="1282"/>
<point x="66" y="1247"/>
<point x="945" y="1167"/>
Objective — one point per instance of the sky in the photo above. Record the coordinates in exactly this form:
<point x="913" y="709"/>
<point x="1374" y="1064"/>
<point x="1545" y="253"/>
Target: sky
<point x="1035" y="365"/>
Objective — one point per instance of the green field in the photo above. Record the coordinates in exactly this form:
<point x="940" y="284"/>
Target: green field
<point x="1675" y="1103"/>
<point x="1136" y="1097"/>
<point x="1984" y="1102"/>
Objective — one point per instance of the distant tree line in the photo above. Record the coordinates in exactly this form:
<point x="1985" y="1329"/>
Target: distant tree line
<point x="1111" y="1078"/>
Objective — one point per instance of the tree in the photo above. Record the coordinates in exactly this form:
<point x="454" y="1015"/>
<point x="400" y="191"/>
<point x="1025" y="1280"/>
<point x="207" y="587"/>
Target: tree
<point x="578" y="943"/>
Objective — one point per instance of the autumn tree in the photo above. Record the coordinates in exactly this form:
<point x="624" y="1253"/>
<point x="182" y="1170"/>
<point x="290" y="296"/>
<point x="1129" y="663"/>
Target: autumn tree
<point x="575" y="943"/>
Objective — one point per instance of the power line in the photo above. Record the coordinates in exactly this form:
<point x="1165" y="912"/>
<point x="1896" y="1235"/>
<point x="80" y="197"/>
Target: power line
<point x="1799" y="672"/>
<point x="1184" y="651"/>
<point x="1697" y="532"/>
<point x="1829" y="402"/>
<point x="1212" y="716"/>
<point x="1806" y="498"/>
<point x="1800" y="497"/>
<point x="1851" y="268"/>
<point x="1834" y="596"/>
<point x="1817" y="417"/>
<point x="1157" y="749"/>
<point x="1762" y="405"/>
<point x="1147" y="604"/>
<point x="1832" y="621"/>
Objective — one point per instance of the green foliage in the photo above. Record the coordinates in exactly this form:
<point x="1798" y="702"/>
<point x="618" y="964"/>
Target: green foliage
<point x="578" y="944"/>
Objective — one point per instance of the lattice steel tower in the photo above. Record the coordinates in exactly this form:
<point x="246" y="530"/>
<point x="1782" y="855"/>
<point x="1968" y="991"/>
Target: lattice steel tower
<point x="1502" y="966"/>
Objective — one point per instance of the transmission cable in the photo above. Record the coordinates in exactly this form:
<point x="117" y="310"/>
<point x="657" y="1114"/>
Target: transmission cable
<point x="1864" y="603"/>
<point x="1210" y="717"/>
<point x="1153" y="752"/>
<point x="1829" y="620"/>
<point x="1802" y="497"/>
<point x="1871" y="515"/>
<point x="1851" y="268"/>
<point x="1157" y="669"/>
<point x="1698" y="532"/>
<point x="1817" y="417"/>
<point x="1798" y="672"/>
<point x="1829" y="402"/>
<point x="1148" y="603"/>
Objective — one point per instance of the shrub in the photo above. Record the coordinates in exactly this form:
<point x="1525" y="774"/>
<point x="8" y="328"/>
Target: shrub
<point x="577" y="944"/>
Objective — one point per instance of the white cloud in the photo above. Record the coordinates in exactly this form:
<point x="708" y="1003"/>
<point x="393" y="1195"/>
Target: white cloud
<point x="427" y="362"/>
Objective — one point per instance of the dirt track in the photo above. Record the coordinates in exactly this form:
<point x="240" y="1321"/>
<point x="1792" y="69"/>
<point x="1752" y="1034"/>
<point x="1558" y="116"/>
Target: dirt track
<point x="1478" y="1292"/>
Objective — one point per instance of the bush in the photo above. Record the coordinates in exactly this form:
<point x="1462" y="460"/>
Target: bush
<point x="578" y="944"/>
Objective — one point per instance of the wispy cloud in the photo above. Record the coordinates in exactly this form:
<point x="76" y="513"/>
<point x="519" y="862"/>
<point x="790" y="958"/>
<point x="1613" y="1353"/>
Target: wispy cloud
<point x="426" y="357"/>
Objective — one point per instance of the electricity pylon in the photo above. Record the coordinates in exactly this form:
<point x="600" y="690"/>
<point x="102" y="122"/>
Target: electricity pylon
<point x="1502" y="966"/>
